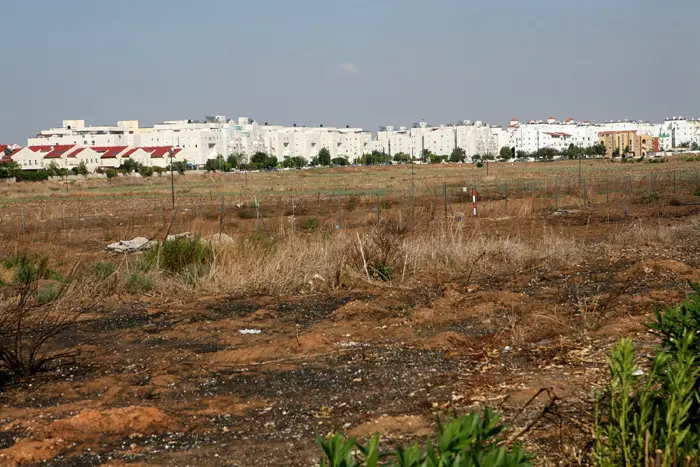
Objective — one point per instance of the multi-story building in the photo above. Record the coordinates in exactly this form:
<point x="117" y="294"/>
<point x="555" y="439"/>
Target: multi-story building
<point x="475" y="138"/>
<point x="627" y="142"/>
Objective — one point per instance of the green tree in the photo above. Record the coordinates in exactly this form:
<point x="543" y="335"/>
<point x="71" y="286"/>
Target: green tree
<point x="505" y="153"/>
<point x="81" y="169"/>
<point x="294" y="162"/>
<point x="341" y="161"/>
<point x="324" y="157"/>
<point x="616" y="152"/>
<point x="129" y="166"/>
<point x="232" y="161"/>
<point x="488" y="157"/>
<point x="521" y="154"/>
<point x="375" y="157"/>
<point x="9" y="169"/>
<point x="53" y="169"/>
<point x="458" y="155"/>
<point x="402" y="158"/>
<point x="314" y="161"/>
<point x="627" y="150"/>
<point x="695" y="146"/>
<point x="426" y="155"/>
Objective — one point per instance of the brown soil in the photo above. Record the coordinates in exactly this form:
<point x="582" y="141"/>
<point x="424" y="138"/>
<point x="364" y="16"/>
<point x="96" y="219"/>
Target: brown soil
<point x="173" y="381"/>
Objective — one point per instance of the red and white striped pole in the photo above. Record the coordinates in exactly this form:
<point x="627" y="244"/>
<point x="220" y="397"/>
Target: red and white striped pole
<point x="474" y="200"/>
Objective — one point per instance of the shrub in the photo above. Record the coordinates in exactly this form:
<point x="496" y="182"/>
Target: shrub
<point x="472" y="440"/>
<point x="181" y="255"/>
<point x="101" y="270"/>
<point x="311" y="223"/>
<point x="479" y="164"/>
<point x="137" y="283"/>
<point x="32" y="175"/>
<point x="30" y="321"/>
<point x="696" y="192"/>
<point x="29" y="268"/>
<point x="657" y="417"/>
<point x="651" y="196"/>
<point x="111" y="173"/>
<point x="247" y="214"/>
<point x="48" y="293"/>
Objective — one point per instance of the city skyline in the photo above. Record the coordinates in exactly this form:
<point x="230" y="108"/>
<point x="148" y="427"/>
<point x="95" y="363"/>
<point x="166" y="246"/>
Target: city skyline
<point x="363" y="64"/>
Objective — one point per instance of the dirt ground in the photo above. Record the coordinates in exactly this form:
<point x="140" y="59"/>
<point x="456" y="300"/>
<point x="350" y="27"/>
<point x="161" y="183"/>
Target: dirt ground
<point x="239" y="381"/>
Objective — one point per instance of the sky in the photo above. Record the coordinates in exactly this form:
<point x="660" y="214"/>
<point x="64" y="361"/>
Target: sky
<point x="362" y="63"/>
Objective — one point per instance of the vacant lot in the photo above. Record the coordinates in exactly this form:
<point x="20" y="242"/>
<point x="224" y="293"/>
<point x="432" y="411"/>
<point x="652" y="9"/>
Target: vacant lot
<point x="371" y="299"/>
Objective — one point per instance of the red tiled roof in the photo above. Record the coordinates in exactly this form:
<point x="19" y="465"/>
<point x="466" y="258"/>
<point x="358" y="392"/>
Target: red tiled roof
<point x="130" y="152"/>
<point x="76" y="152"/>
<point x="158" y="151"/>
<point x="551" y="118"/>
<point x="569" y="119"/>
<point x="109" y="152"/>
<point x="58" y="151"/>
<point x="44" y="148"/>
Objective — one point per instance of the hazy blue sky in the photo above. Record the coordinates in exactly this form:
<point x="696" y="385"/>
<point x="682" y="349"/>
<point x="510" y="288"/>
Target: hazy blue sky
<point x="358" y="62"/>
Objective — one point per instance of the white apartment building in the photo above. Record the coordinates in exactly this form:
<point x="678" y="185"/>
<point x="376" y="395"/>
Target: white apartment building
<point x="475" y="138"/>
<point x="677" y="131"/>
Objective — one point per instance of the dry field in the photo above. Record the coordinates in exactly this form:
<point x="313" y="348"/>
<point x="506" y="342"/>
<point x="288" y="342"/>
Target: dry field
<point x="380" y="306"/>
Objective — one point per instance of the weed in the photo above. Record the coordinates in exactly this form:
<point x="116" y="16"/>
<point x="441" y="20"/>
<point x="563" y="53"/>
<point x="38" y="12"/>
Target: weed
<point x="696" y="192"/>
<point x="47" y="293"/>
<point x="650" y="196"/>
<point x="352" y="203"/>
<point x="311" y="223"/>
<point x="138" y="283"/>
<point x="381" y="271"/>
<point x="247" y="214"/>
<point x="180" y="254"/>
<point x="101" y="270"/>
<point x="465" y="441"/>
<point x="656" y="416"/>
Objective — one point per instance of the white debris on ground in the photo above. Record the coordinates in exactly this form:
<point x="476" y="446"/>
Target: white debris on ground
<point x="249" y="331"/>
<point x="130" y="246"/>
<point x="140" y="243"/>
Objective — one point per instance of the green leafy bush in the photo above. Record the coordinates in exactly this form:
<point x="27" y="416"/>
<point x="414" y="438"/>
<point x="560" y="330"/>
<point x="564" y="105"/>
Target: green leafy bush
<point x="111" y="173"/>
<point x="657" y="416"/>
<point x="181" y="255"/>
<point x="32" y="175"/>
<point x="101" y="270"/>
<point x="48" y="293"/>
<point x="473" y="440"/>
<point x="137" y="283"/>
<point x="311" y="223"/>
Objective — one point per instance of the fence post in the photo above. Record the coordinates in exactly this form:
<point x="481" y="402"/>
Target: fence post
<point x="474" y="211"/>
<point x="221" y="217"/>
<point x="556" y="193"/>
<point x="378" y="209"/>
<point x="674" y="181"/>
<point x="257" y="214"/>
<point x="339" y="214"/>
<point x="505" y="189"/>
<point x="23" y="220"/>
<point x="63" y="218"/>
<point x="445" y="193"/>
<point x="293" y="215"/>
<point x="607" y="192"/>
<point x="585" y="193"/>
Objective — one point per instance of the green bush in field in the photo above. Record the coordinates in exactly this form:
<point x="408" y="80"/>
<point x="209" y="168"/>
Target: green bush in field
<point x="181" y="256"/>
<point x="48" y="293"/>
<point x="311" y="223"/>
<point x="654" y="416"/>
<point x="101" y="270"/>
<point x="470" y="441"/>
<point x="137" y="283"/>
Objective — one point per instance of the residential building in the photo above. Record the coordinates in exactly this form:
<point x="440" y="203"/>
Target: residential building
<point x="627" y="142"/>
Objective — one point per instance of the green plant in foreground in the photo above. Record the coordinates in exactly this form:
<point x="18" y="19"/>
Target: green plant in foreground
<point x="138" y="283"/>
<point x="656" y="417"/>
<point x="472" y="440"/>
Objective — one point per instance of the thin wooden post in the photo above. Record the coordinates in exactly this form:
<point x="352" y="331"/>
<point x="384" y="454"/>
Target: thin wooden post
<point x="221" y="217"/>
<point x="22" y="220"/>
<point x="293" y="215"/>
<point x="379" y="209"/>
<point x="339" y="214"/>
<point x="445" y="193"/>
<point x="505" y="189"/>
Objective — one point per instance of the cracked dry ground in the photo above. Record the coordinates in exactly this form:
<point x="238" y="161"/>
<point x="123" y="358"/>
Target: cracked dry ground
<point x="178" y="384"/>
